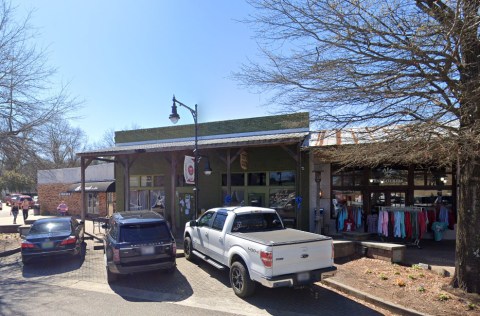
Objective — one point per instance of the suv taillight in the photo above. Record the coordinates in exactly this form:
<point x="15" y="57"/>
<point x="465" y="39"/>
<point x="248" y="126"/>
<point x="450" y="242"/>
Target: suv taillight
<point x="267" y="258"/>
<point x="116" y="255"/>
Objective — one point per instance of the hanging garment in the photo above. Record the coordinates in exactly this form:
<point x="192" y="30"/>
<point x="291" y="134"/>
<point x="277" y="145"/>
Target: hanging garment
<point x="402" y="225"/>
<point x="385" y="224"/>
<point x="396" y="224"/>
<point x="372" y="223"/>
<point x="422" y="224"/>
<point x="408" y="225"/>
<point x="380" y="222"/>
<point x="443" y="217"/>
<point x="359" y="217"/>
<point x="438" y="229"/>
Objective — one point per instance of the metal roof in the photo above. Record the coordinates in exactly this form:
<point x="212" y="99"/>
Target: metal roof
<point x="217" y="141"/>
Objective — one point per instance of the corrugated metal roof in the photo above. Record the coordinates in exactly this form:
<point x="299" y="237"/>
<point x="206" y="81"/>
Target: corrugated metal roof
<point x="237" y="140"/>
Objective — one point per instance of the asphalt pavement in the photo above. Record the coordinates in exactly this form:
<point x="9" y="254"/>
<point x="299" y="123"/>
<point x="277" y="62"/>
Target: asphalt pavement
<point x="437" y="255"/>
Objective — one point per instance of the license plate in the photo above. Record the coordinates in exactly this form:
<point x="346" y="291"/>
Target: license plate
<point x="304" y="276"/>
<point x="47" y="245"/>
<point x="148" y="250"/>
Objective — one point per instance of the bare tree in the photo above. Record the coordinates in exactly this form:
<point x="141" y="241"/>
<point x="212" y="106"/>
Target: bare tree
<point x="28" y="100"/>
<point x="407" y="69"/>
<point x="59" y="142"/>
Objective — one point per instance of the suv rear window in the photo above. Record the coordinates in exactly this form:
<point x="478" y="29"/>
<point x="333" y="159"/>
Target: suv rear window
<point x="144" y="232"/>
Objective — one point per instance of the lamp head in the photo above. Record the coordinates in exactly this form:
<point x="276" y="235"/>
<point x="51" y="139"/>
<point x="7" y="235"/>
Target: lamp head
<point x="174" y="117"/>
<point x="208" y="170"/>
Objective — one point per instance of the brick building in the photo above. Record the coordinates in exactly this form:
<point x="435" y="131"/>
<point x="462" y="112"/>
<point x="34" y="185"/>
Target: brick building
<point x="58" y="185"/>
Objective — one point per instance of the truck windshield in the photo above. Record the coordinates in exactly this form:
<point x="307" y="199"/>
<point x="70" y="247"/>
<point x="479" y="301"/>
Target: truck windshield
<point x="255" y="222"/>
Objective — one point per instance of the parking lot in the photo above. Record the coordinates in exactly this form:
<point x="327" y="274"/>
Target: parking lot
<point x="193" y="284"/>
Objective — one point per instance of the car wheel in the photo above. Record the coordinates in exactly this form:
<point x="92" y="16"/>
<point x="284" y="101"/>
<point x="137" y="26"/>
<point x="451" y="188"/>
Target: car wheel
<point x="240" y="280"/>
<point x="111" y="277"/>
<point x="188" y="249"/>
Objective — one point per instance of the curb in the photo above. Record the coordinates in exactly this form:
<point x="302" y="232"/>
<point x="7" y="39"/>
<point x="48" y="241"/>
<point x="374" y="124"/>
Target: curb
<point x="9" y="252"/>
<point x="394" y="308"/>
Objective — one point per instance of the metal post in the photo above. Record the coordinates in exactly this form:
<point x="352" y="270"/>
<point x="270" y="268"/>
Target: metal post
<point x="194" y="113"/>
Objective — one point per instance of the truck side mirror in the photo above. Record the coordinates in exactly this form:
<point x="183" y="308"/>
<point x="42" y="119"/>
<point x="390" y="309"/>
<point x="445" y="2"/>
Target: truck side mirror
<point x="193" y="223"/>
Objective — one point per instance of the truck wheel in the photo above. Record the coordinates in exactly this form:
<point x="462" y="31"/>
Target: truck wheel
<point x="188" y="248"/>
<point x="240" y="280"/>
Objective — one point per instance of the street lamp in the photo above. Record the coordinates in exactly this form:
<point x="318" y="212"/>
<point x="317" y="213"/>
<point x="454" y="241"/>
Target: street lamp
<point x="174" y="117"/>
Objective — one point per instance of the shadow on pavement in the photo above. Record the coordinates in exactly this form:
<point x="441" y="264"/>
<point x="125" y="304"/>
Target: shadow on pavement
<point x="158" y="286"/>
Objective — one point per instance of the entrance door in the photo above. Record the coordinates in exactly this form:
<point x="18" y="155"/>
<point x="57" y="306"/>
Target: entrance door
<point x="186" y="208"/>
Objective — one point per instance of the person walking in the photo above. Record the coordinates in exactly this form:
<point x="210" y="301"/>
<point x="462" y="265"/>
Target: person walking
<point x="62" y="209"/>
<point x="25" y="207"/>
<point x="14" y="212"/>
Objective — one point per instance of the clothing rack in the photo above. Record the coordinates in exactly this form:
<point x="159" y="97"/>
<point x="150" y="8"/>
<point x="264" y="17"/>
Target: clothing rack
<point x="413" y="209"/>
<point x="401" y="208"/>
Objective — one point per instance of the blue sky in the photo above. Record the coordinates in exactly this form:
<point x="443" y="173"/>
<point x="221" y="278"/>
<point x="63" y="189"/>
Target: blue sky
<point x="126" y="59"/>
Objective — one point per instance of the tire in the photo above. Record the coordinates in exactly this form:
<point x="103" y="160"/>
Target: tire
<point x="240" y="280"/>
<point x="188" y="249"/>
<point x="111" y="277"/>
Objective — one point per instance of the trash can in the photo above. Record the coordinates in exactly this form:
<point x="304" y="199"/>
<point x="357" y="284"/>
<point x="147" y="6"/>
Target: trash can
<point x="36" y="210"/>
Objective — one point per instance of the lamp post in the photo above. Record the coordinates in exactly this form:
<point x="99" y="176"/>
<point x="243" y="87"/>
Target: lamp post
<point x="174" y="117"/>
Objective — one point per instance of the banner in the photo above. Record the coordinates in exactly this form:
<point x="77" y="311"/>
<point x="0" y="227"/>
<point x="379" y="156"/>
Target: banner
<point x="189" y="170"/>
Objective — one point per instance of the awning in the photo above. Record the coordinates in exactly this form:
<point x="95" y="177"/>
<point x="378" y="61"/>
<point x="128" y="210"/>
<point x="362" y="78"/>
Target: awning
<point x="101" y="186"/>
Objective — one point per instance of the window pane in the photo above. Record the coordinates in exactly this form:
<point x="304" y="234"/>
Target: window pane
<point x="134" y="181"/>
<point x="237" y="179"/>
<point x="388" y="176"/>
<point x="282" y="178"/>
<point x="236" y="198"/>
<point x="257" y="178"/>
<point x="146" y="181"/>
<point x="158" y="181"/>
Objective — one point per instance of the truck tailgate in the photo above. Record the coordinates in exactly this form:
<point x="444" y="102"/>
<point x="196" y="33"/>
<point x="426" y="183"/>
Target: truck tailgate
<point x="306" y="256"/>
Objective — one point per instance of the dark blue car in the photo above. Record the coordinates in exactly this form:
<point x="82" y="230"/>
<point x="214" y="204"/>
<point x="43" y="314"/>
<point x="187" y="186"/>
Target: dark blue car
<point x="56" y="236"/>
<point x="138" y="241"/>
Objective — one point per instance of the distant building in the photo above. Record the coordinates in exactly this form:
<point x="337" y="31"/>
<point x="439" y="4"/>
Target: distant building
<point x="58" y="185"/>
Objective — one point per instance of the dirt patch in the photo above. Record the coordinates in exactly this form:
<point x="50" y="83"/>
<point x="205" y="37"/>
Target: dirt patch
<point x="413" y="287"/>
<point x="9" y="242"/>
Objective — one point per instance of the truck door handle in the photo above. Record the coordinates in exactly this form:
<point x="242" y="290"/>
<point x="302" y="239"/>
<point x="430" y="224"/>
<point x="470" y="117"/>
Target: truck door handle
<point x="220" y="239"/>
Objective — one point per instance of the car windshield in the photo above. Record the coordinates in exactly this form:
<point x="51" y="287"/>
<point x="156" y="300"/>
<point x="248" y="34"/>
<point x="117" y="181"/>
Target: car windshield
<point x="50" y="227"/>
<point x="153" y="232"/>
<point x="256" y="222"/>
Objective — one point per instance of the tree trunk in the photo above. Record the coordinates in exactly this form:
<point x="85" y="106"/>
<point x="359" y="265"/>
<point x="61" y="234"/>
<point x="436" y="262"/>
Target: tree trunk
<point x="467" y="263"/>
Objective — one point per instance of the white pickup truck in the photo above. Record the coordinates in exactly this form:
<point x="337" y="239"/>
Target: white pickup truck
<point x="253" y="243"/>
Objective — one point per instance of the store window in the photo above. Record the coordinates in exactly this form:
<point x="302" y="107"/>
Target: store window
<point x="347" y="177"/>
<point x="282" y="178"/>
<point x="236" y="179"/>
<point x="92" y="203"/>
<point x="256" y="179"/>
<point x="388" y="176"/>
<point x="237" y="197"/>
<point x="147" y="193"/>
<point x="345" y="198"/>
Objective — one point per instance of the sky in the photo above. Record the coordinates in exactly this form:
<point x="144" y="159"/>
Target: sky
<point x="125" y="59"/>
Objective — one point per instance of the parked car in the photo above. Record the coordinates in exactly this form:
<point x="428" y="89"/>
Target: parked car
<point x="138" y="241"/>
<point x="10" y="198"/>
<point x="22" y="198"/>
<point x="53" y="236"/>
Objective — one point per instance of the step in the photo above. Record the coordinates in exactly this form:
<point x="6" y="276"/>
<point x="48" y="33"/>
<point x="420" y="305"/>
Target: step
<point x="208" y="260"/>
